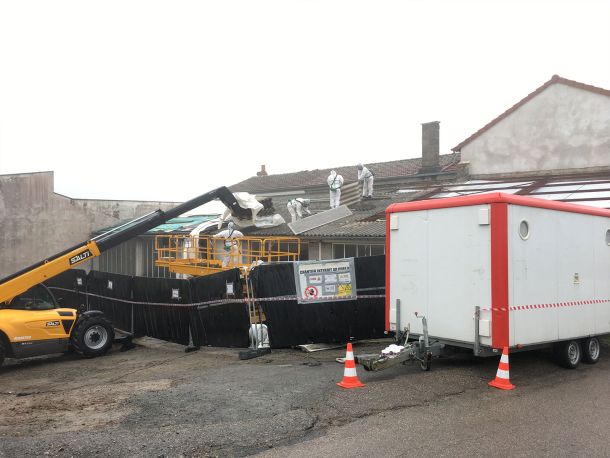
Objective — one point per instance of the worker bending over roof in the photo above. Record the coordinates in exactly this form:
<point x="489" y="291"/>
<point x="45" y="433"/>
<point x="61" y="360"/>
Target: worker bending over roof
<point x="296" y="207"/>
<point x="367" y="178"/>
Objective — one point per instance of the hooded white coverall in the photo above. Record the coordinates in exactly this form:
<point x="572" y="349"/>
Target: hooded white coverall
<point x="334" y="183"/>
<point x="296" y="207"/>
<point x="367" y="178"/>
<point x="230" y="246"/>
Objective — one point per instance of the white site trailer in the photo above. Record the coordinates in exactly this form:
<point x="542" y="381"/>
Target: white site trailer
<point x="495" y="270"/>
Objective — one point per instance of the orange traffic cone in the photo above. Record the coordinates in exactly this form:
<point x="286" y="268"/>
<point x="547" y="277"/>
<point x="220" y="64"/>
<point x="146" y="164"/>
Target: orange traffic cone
<point x="502" y="377"/>
<point x="350" y="379"/>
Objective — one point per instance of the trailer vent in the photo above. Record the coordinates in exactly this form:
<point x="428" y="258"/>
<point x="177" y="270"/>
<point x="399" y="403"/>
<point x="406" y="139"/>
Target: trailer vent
<point x="608" y="237"/>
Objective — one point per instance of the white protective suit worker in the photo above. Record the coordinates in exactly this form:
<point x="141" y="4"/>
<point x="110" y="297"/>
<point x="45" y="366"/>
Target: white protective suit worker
<point x="334" y="183"/>
<point x="367" y="178"/>
<point x="230" y="247"/>
<point x="296" y="207"/>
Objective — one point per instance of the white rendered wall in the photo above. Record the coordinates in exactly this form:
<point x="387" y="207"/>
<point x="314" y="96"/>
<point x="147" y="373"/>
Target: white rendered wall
<point x="565" y="258"/>
<point x="440" y="267"/>
<point x="563" y="127"/>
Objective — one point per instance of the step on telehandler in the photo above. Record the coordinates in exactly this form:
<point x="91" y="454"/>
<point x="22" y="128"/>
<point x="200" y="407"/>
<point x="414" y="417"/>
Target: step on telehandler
<point x="31" y="321"/>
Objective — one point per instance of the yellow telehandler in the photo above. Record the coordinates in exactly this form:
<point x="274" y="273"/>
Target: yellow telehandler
<point x="31" y="321"/>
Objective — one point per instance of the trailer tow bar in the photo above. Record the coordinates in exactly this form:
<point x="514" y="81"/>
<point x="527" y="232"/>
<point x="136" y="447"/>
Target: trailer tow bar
<point x="420" y="350"/>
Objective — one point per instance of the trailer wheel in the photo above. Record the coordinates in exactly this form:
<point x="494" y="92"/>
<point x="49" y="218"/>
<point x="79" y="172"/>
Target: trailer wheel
<point x="591" y="350"/>
<point x="426" y="363"/>
<point x="92" y="336"/>
<point x="568" y="353"/>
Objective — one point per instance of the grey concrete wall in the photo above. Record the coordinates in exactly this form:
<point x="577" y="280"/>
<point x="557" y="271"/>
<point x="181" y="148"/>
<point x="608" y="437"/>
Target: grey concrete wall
<point x="561" y="128"/>
<point x="35" y="222"/>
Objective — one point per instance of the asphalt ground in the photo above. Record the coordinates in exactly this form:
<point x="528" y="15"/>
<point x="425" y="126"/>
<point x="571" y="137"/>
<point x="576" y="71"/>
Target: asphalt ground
<point x="156" y="400"/>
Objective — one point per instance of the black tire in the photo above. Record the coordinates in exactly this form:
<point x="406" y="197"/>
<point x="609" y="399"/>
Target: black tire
<point x="568" y="353"/>
<point x="591" y="350"/>
<point x="92" y="336"/>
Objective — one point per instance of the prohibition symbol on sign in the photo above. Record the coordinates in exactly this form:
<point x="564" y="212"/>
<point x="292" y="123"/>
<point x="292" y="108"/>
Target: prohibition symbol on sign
<point x="311" y="292"/>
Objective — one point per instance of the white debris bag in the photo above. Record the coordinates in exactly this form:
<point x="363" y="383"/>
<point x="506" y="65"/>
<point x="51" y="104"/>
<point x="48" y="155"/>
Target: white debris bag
<point x="249" y="202"/>
<point x="255" y="336"/>
<point x="392" y="350"/>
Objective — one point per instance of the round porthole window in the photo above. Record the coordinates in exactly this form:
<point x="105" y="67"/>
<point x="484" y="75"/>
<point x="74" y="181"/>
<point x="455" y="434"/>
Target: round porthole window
<point x="524" y="230"/>
<point x="608" y="237"/>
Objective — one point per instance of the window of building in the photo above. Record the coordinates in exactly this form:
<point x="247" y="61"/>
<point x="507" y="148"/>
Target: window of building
<point x="353" y="250"/>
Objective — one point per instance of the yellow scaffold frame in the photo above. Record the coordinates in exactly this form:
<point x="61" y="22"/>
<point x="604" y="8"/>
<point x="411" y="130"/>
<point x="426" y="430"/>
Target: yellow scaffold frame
<point x="204" y="255"/>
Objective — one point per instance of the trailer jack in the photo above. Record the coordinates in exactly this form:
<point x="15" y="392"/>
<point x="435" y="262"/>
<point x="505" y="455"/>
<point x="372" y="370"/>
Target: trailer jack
<point x="421" y="350"/>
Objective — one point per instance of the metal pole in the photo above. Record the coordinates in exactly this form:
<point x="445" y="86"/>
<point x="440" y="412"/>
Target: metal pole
<point x="398" y="329"/>
<point x="424" y="323"/>
<point x="132" y="324"/>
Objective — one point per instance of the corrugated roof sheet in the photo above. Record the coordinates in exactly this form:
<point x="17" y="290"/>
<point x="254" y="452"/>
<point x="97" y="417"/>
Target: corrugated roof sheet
<point x="175" y="225"/>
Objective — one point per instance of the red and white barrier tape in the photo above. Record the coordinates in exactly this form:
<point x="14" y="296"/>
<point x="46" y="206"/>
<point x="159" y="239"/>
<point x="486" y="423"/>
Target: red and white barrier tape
<point x="544" y="306"/>
<point x="199" y="304"/>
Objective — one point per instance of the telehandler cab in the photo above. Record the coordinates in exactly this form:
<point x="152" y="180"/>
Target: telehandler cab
<point x="31" y="321"/>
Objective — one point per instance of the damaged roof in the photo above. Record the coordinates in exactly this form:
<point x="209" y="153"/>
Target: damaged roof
<point x="363" y="223"/>
<point x="313" y="178"/>
<point x="368" y="218"/>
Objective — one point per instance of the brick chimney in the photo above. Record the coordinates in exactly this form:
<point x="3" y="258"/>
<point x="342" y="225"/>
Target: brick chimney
<point x="262" y="173"/>
<point x="430" y="147"/>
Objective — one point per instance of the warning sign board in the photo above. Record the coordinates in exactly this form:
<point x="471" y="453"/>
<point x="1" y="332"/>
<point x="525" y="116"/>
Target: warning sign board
<point x="325" y="281"/>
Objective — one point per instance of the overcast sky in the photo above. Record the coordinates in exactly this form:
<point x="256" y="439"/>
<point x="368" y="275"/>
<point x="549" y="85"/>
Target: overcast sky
<point x="166" y="100"/>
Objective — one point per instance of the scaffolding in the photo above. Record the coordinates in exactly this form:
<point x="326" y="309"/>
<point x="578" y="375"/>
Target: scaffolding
<point x="199" y="255"/>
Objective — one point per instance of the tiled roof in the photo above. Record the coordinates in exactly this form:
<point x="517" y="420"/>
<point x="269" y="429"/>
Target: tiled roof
<point x="312" y="178"/>
<point x="554" y="80"/>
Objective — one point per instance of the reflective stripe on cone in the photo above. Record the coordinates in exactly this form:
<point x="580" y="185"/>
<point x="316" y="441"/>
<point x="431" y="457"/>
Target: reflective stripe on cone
<point x="502" y="380"/>
<point x="350" y="378"/>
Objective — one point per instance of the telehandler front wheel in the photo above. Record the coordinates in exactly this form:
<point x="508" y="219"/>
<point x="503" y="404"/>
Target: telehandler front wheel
<point x="2" y="352"/>
<point x="92" y="336"/>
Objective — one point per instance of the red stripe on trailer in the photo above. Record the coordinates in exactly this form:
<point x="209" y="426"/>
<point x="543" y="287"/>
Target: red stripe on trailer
<point x="387" y="273"/>
<point x="493" y="198"/>
<point x="499" y="275"/>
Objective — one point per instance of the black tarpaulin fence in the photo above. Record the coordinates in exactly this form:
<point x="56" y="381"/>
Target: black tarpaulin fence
<point x="162" y="322"/>
<point x="106" y="287"/>
<point x="67" y="286"/>
<point x="164" y="308"/>
<point x="219" y="325"/>
<point x="200" y="308"/>
<point x="290" y="323"/>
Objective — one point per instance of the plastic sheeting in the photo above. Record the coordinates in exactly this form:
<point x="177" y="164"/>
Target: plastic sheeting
<point x="249" y="201"/>
<point x="219" y="325"/>
<point x="290" y="323"/>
